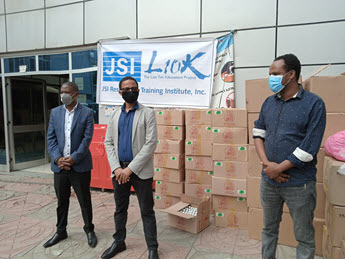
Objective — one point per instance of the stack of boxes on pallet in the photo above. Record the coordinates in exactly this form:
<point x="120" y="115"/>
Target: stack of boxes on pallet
<point x="230" y="167"/>
<point x="169" y="158"/>
<point x="198" y="148"/>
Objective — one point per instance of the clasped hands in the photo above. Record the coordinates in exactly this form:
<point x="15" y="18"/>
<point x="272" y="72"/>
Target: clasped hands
<point x="274" y="172"/>
<point x="65" y="163"/>
<point x="122" y="175"/>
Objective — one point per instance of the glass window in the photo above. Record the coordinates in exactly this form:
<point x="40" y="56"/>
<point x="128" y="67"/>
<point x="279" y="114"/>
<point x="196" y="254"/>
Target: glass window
<point x="84" y="59"/>
<point x="53" y="62"/>
<point x="2" y="131"/>
<point x="29" y="146"/>
<point x="87" y="83"/>
<point x="12" y="64"/>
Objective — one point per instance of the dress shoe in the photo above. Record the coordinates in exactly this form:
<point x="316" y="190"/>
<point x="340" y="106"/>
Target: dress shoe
<point x="55" y="239"/>
<point x="153" y="254"/>
<point x="91" y="239"/>
<point x="113" y="250"/>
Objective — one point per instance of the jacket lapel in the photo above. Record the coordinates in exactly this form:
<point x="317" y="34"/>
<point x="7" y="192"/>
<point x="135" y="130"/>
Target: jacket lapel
<point x="116" y="125"/>
<point x="61" y="122"/>
<point x="135" y="121"/>
<point x="76" y="115"/>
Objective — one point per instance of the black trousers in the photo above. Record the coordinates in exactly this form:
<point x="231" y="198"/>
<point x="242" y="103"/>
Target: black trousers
<point x="143" y="189"/>
<point x="81" y="185"/>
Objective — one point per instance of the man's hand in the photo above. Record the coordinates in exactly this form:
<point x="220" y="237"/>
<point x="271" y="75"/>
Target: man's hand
<point x="274" y="172"/>
<point x="126" y="174"/>
<point x="62" y="164"/>
<point x="69" y="160"/>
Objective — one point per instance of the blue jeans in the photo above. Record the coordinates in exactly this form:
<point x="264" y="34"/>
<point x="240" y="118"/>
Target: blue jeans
<point x="301" y="202"/>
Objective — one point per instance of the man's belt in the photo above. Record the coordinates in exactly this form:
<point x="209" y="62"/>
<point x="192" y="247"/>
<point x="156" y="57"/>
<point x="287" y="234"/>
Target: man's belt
<point x="124" y="164"/>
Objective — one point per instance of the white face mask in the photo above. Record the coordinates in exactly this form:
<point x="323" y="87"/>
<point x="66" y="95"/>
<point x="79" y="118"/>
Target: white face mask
<point x="66" y="99"/>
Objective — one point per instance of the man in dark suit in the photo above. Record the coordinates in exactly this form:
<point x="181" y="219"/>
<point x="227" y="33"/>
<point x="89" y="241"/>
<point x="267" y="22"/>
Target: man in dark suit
<point x="69" y="136"/>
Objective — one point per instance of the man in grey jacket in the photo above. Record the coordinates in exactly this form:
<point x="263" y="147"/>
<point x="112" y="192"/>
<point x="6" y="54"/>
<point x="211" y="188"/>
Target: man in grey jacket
<point x="130" y="141"/>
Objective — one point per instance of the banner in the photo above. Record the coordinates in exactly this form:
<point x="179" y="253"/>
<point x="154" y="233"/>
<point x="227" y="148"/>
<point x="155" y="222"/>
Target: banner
<point x="170" y="73"/>
<point x="223" y="94"/>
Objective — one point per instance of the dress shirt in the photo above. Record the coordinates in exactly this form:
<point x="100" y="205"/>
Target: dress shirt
<point x="69" y="115"/>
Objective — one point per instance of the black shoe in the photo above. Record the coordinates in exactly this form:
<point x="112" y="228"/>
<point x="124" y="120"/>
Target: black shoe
<point x="113" y="250"/>
<point x="55" y="239"/>
<point x="153" y="254"/>
<point x="91" y="239"/>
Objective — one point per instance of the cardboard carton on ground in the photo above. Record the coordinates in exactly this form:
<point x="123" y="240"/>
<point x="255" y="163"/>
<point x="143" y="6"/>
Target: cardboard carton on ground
<point x="227" y="135"/>
<point x="169" y="175"/>
<point x="330" y="88"/>
<point x="166" y="146"/>
<point x="335" y="222"/>
<point x="231" y="219"/>
<point x="333" y="182"/>
<point x="173" y="161"/>
<point x="335" y="122"/>
<point x="189" y="223"/>
<point x="235" y="117"/>
<point x="254" y="165"/>
<point x="199" y="117"/>
<point x="199" y="177"/>
<point x="328" y="250"/>
<point x="230" y="152"/>
<point x="230" y="169"/>
<point x="198" y="132"/>
<point x="171" y="132"/>
<point x="198" y="190"/>
<point x="343" y="250"/>
<point x="257" y="90"/>
<point x="227" y="203"/>
<point x="229" y="187"/>
<point x="170" y="117"/>
<point x="319" y="166"/>
<point x="286" y="233"/>
<point x="203" y="163"/>
<point x="165" y="201"/>
<point x="252" y="117"/>
<point x="198" y="148"/>
<point x="168" y="188"/>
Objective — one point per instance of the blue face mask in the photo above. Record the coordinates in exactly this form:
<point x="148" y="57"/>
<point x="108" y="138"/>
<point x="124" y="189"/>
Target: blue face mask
<point x="275" y="83"/>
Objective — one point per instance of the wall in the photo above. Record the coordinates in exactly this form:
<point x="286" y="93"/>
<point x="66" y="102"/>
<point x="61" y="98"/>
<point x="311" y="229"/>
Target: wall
<point x="311" y="29"/>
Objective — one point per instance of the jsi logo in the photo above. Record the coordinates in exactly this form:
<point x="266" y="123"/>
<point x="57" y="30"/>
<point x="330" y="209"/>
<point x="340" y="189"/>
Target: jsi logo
<point x="117" y="65"/>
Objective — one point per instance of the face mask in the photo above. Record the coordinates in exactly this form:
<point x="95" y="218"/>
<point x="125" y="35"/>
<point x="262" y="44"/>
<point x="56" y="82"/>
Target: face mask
<point x="130" y="97"/>
<point x="66" y="99"/>
<point x="275" y="83"/>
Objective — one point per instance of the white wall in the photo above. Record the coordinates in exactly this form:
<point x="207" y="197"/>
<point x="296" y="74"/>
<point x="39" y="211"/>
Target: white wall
<point x="311" y="29"/>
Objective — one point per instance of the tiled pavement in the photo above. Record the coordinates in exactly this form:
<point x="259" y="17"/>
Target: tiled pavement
<point x="28" y="218"/>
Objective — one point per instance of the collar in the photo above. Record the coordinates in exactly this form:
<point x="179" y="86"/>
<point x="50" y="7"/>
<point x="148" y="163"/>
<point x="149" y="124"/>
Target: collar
<point x="299" y="94"/>
<point x="136" y="106"/>
<point x="74" y="108"/>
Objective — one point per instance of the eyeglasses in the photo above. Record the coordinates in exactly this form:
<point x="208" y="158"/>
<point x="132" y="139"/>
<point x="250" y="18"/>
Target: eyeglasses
<point x="127" y="89"/>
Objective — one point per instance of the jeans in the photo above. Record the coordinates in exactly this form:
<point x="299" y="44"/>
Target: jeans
<point x="143" y="188"/>
<point x="301" y="202"/>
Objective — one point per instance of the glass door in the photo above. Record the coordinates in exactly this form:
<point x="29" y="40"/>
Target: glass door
<point x="2" y="132"/>
<point x="27" y="112"/>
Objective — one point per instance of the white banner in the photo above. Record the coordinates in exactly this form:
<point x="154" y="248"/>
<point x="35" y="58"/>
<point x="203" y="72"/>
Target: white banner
<point x="170" y="73"/>
<point x="223" y="94"/>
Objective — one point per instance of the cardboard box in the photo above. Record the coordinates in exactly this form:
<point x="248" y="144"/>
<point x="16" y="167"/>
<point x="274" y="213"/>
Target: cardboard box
<point x="319" y="211"/>
<point x="230" y="152"/>
<point x="203" y="163"/>
<point x="166" y="146"/>
<point x="189" y="223"/>
<point x="169" y="175"/>
<point x="165" y="201"/>
<point x="252" y="117"/>
<point x="335" y="222"/>
<point x="198" y="148"/>
<point x="235" y="117"/>
<point x="229" y="187"/>
<point x="328" y="250"/>
<point x="173" y="161"/>
<point x="334" y="183"/>
<point x="198" y="132"/>
<point x="198" y="190"/>
<point x="330" y="88"/>
<point x="200" y="177"/>
<point x="343" y="250"/>
<point x="224" y="203"/>
<point x="170" y="117"/>
<point x="254" y="164"/>
<point x="231" y="219"/>
<point x="226" y="135"/>
<point x="168" y="188"/>
<point x="199" y="117"/>
<point x="171" y="132"/>
<point x="335" y="122"/>
<point x="230" y="169"/>
<point x="257" y="90"/>
<point x="319" y="166"/>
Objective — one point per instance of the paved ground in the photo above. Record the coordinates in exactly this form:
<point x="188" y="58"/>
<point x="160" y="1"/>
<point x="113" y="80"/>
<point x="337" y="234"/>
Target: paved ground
<point x="28" y="218"/>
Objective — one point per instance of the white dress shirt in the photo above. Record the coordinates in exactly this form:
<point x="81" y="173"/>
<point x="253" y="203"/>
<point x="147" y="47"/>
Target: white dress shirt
<point x="68" y="126"/>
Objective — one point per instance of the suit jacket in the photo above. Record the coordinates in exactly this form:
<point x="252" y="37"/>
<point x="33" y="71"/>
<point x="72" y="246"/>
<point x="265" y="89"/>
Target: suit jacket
<point x="144" y="141"/>
<point x="81" y="136"/>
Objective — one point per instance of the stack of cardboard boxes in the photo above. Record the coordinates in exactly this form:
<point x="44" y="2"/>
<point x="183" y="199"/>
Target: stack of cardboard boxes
<point x="198" y="148"/>
<point x="169" y="158"/>
<point x="230" y="167"/>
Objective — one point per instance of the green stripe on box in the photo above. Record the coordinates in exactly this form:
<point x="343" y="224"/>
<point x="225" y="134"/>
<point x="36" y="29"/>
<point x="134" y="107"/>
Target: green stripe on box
<point x="215" y="130"/>
<point x="218" y="163"/>
<point x="176" y="128"/>
<point x="240" y="199"/>
<point x="189" y="143"/>
<point x="189" y="159"/>
<point x="210" y="173"/>
<point x="158" y="197"/>
<point x="173" y="158"/>
<point x="209" y="112"/>
<point x="158" y="142"/>
<point x="208" y="128"/>
<point x="158" y="182"/>
<point x="220" y="214"/>
<point x="158" y="170"/>
<point x="218" y="112"/>
<point x="241" y="192"/>
<point x="160" y="113"/>
<point x="208" y="190"/>
<point x="242" y="148"/>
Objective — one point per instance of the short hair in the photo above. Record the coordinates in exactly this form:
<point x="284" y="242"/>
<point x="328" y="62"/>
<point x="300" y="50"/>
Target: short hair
<point x="128" y="78"/>
<point x="72" y="85"/>
<point x="291" y="63"/>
